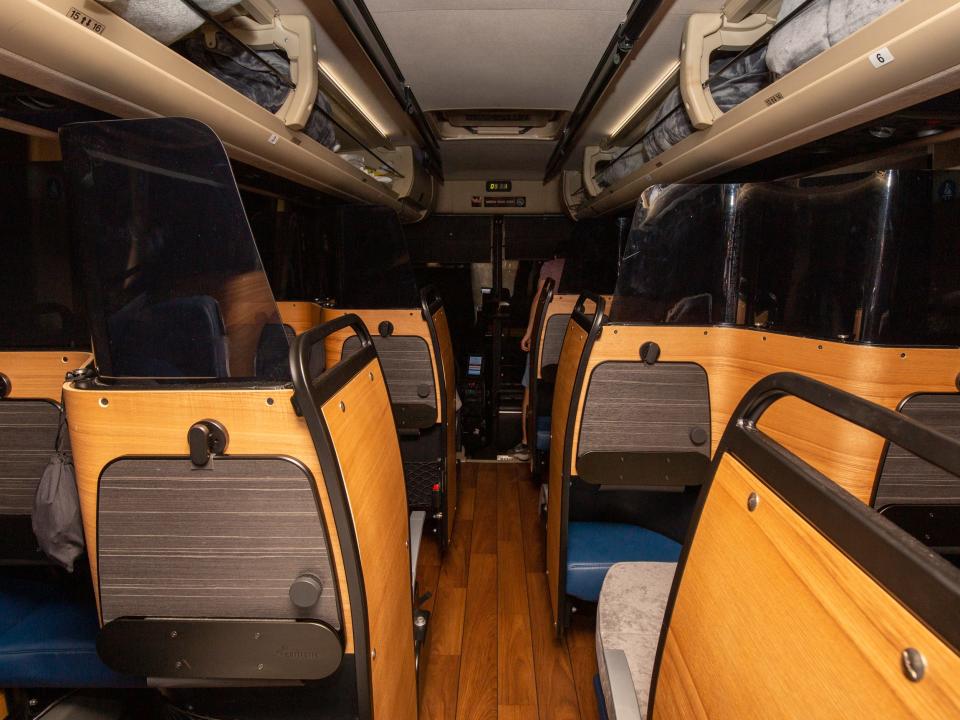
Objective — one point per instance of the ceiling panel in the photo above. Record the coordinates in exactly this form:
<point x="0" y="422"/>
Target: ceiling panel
<point x="499" y="53"/>
<point x="506" y="159"/>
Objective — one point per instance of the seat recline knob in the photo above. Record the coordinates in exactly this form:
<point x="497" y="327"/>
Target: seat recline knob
<point x="305" y="591"/>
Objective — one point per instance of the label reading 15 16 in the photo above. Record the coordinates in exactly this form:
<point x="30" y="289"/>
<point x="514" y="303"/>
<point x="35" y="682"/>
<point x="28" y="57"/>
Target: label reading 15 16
<point x="85" y="20"/>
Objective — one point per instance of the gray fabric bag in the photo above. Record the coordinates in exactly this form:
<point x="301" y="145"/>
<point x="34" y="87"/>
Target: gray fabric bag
<point x="56" y="506"/>
<point x="821" y="26"/>
<point x="232" y="64"/>
<point x="670" y="123"/>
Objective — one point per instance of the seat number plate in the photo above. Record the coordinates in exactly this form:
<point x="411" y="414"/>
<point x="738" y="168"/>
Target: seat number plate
<point x="880" y="58"/>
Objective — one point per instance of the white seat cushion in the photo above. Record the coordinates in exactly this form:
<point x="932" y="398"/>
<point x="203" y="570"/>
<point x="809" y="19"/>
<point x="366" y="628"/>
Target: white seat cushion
<point x="629" y="619"/>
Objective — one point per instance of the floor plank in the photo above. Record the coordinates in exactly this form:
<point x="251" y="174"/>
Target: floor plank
<point x="516" y="680"/>
<point x="530" y="525"/>
<point x="492" y="650"/>
<point x="581" y="645"/>
<point x="446" y="627"/>
<point x="518" y="712"/>
<point x="466" y="503"/>
<point x="556" y="694"/>
<point x="508" y="508"/>
<point x="456" y="559"/>
<point x="468" y="474"/>
<point x="477" y="695"/>
<point x="511" y="580"/>
<point x="439" y="698"/>
<point x="485" y="511"/>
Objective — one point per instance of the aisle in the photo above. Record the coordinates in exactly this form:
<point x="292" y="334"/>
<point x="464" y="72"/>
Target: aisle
<point x="492" y="652"/>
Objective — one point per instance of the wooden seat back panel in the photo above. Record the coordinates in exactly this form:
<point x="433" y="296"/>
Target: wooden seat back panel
<point x="735" y="358"/>
<point x="360" y="422"/>
<point x="39" y="374"/>
<point x="772" y="620"/>
<point x="406" y="323"/>
<point x="300" y="315"/>
<point x="552" y="330"/>
<point x="570" y="355"/>
<point x="107" y="424"/>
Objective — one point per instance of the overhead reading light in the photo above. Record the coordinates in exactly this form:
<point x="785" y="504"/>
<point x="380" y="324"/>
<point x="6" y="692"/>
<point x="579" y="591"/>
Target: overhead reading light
<point x="358" y="106"/>
<point x="668" y="77"/>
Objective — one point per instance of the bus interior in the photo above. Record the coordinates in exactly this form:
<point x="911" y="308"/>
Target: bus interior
<point x="433" y="360"/>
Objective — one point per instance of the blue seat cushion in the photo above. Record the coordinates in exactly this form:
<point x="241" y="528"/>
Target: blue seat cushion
<point x="592" y="547"/>
<point x="543" y="432"/>
<point x="48" y="634"/>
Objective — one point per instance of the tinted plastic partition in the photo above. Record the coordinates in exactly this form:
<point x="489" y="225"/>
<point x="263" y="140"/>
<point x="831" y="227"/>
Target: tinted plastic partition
<point x="174" y="284"/>
<point x="375" y="269"/>
<point x="681" y="263"/>
<point x="871" y="257"/>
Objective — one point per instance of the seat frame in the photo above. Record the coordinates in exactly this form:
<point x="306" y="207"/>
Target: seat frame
<point x="921" y="581"/>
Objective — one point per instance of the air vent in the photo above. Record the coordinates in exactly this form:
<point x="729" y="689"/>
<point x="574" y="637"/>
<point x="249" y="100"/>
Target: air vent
<point x="526" y="124"/>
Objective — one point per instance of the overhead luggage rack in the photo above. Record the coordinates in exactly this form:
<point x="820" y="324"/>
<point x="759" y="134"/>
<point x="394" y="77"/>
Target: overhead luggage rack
<point x="94" y="57"/>
<point x="901" y="59"/>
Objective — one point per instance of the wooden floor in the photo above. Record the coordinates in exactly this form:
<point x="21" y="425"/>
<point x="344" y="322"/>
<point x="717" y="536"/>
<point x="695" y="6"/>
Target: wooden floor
<point x="492" y="651"/>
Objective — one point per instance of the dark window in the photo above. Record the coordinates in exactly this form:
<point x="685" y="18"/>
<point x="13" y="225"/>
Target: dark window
<point x="375" y="269"/>
<point x="592" y="256"/>
<point x="40" y="304"/>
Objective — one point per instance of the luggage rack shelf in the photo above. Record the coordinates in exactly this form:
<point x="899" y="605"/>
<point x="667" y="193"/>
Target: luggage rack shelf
<point x="838" y="89"/>
<point x="112" y="66"/>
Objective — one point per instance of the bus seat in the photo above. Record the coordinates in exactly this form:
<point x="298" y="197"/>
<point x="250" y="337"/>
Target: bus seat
<point x="783" y="565"/>
<point x="543" y="432"/>
<point x="48" y="633"/>
<point x="271" y="360"/>
<point x="251" y="532"/>
<point x="150" y="346"/>
<point x="538" y="410"/>
<point x="594" y="547"/>
<point x="30" y="389"/>
<point x="921" y="498"/>
<point x="28" y="439"/>
<point x="629" y="499"/>
<point x="629" y="617"/>
<point x="416" y="352"/>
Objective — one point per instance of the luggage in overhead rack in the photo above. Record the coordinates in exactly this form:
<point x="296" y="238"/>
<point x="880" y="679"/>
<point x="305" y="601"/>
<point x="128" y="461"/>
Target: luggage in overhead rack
<point x="265" y="76"/>
<point x="796" y="39"/>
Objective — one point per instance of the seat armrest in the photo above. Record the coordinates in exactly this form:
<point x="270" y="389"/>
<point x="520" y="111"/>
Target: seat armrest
<point x="623" y="695"/>
<point x="417" y="520"/>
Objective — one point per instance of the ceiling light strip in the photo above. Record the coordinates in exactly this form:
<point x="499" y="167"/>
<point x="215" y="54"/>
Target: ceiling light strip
<point x="639" y="109"/>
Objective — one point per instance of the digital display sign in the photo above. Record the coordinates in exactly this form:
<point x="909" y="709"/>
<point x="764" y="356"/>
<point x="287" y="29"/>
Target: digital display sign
<point x="499" y="185"/>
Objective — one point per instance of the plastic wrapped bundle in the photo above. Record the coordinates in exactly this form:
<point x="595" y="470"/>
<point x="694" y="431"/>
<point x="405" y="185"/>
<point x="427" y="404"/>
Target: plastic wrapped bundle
<point x="743" y="79"/>
<point x="232" y="64"/>
<point x="165" y="20"/>
<point x="172" y="22"/>
<point x="818" y="28"/>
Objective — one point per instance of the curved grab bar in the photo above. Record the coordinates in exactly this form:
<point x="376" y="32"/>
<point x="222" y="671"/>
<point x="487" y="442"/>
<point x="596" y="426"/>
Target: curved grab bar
<point x="328" y="382"/>
<point x="591" y="324"/>
<point x="430" y="301"/>
<point x="922" y="441"/>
